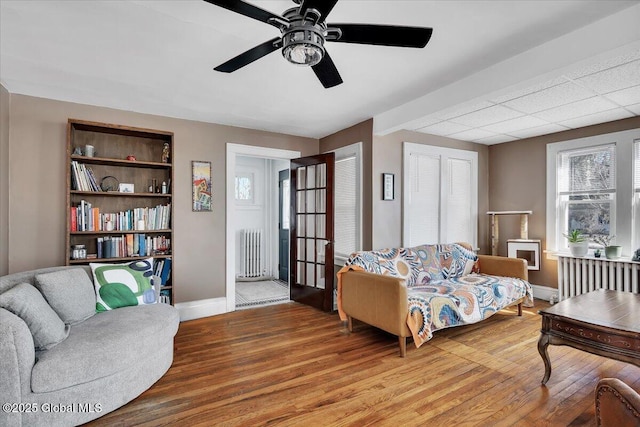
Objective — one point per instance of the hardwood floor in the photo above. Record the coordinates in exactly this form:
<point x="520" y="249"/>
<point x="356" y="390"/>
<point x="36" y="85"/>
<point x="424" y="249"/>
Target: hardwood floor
<point x="292" y="365"/>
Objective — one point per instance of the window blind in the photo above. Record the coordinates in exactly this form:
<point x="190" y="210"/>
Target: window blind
<point x="424" y="212"/>
<point x="346" y="220"/>
<point x="636" y="165"/>
<point x="588" y="170"/>
<point x="459" y="213"/>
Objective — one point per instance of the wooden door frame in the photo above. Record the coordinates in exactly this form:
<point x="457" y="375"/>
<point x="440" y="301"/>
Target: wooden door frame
<point x="234" y="150"/>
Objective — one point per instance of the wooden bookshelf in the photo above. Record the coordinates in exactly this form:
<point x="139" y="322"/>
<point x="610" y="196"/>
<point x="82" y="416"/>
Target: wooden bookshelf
<point x="113" y="144"/>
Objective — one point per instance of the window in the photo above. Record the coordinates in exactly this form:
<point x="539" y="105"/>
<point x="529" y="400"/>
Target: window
<point x="244" y="187"/>
<point x="440" y="195"/>
<point x="587" y="190"/>
<point x="348" y="201"/>
<point x="592" y="187"/>
<point x="636" y="196"/>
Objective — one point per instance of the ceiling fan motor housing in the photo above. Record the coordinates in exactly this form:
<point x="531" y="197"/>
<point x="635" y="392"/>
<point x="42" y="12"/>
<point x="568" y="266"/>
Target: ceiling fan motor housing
<point x="303" y="39"/>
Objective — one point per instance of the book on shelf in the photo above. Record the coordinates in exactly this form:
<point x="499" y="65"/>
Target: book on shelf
<point x="131" y="245"/>
<point x="83" y="178"/>
<point x="89" y="218"/>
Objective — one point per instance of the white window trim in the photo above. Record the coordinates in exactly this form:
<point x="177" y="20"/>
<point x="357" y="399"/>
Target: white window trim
<point x="444" y="153"/>
<point x="342" y="153"/>
<point x="624" y="186"/>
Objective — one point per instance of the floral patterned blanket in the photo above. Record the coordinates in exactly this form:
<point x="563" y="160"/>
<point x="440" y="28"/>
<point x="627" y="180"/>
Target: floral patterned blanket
<point x="444" y="286"/>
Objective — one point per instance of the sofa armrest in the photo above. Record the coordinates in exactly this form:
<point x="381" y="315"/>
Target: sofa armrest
<point x="617" y="404"/>
<point x="503" y="266"/>
<point x="378" y="300"/>
<point x="17" y="357"/>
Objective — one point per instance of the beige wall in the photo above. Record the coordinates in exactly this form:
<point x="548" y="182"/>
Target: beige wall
<point x="387" y="158"/>
<point x="362" y="132"/>
<point x="517" y="181"/>
<point x="4" y="180"/>
<point x="36" y="202"/>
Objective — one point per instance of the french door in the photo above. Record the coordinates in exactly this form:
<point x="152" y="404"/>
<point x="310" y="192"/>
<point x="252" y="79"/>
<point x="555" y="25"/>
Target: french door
<point x="311" y="267"/>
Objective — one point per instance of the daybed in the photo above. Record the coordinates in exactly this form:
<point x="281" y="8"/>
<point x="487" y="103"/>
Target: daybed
<point x="61" y="363"/>
<point x="416" y="291"/>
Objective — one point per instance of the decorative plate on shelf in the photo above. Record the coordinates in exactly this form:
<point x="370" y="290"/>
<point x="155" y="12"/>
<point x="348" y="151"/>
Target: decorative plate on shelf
<point x="110" y="183"/>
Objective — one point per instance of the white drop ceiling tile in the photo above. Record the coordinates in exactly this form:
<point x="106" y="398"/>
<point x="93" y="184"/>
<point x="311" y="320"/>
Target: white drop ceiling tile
<point x="487" y="116"/>
<point x="593" y="119"/>
<point x="624" y="97"/>
<point x="443" y="128"/>
<point x="472" y="135"/>
<point x="462" y="109"/>
<point x="424" y="122"/>
<point x="630" y="56"/>
<point x="497" y="139"/>
<point x="576" y="109"/>
<point x="555" y="96"/>
<point x="634" y="108"/>
<point x="539" y="130"/>
<point x="620" y="77"/>
<point x="519" y="123"/>
<point x="528" y="90"/>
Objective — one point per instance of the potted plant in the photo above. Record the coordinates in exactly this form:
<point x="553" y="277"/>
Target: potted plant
<point x="578" y="243"/>
<point x="610" y="251"/>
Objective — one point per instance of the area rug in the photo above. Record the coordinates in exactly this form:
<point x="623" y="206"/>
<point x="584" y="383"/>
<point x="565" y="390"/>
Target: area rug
<point x="251" y="294"/>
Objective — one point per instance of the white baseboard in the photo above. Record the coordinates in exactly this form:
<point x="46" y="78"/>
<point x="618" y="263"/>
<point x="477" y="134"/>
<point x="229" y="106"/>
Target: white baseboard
<point x="201" y="308"/>
<point x="544" y="292"/>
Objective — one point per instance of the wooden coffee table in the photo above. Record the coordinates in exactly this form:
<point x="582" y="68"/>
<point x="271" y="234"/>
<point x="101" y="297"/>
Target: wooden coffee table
<point x="602" y="322"/>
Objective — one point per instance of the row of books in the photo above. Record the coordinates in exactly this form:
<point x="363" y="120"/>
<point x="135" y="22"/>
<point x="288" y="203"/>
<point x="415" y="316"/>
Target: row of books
<point x="85" y="217"/>
<point x="162" y="269"/>
<point x="165" y="296"/>
<point x="82" y="178"/>
<point x="132" y="245"/>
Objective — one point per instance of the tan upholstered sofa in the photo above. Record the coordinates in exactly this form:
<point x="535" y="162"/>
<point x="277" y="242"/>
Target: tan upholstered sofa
<point x="397" y="289"/>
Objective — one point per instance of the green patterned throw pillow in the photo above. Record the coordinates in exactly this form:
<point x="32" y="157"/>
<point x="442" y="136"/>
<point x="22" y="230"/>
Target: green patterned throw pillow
<point x="122" y="285"/>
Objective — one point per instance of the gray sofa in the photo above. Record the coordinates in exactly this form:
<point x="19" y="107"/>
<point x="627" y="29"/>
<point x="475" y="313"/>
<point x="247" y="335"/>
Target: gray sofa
<point x="86" y="366"/>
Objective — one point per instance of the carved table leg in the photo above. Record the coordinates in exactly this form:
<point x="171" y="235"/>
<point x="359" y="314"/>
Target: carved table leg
<point x="350" y="323"/>
<point x="543" y="343"/>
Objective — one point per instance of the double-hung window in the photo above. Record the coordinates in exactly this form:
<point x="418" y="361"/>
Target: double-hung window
<point x="636" y="194"/>
<point x="593" y="186"/>
<point x="587" y="190"/>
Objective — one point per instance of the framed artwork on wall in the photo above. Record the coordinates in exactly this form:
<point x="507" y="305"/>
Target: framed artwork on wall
<point x="388" y="190"/>
<point x="201" y="184"/>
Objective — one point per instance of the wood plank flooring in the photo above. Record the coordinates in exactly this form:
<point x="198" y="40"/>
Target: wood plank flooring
<point x="292" y="365"/>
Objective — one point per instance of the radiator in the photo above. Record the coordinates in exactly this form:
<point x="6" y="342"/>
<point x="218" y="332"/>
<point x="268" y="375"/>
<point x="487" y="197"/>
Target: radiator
<point x="252" y="258"/>
<point x="581" y="275"/>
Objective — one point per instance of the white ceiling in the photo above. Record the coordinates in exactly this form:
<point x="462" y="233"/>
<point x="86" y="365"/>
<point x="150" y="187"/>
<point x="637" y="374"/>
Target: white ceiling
<point x="494" y="71"/>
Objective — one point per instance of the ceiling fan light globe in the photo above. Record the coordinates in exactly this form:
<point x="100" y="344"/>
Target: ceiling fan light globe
<point x="303" y="54"/>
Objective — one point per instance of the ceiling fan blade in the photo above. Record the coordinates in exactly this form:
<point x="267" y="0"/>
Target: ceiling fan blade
<point x="327" y="72"/>
<point x="249" y="56"/>
<point x="322" y="6"/>
<point x="249" y="10"/>
<point x="383" y="35"/>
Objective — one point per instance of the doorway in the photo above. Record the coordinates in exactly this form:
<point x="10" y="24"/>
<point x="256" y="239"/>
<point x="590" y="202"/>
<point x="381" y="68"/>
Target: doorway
<point x="268" y="209"/>
<point x="262" y="239"/>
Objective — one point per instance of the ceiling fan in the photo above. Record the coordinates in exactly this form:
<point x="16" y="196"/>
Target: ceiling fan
<point x="304" y="31"/>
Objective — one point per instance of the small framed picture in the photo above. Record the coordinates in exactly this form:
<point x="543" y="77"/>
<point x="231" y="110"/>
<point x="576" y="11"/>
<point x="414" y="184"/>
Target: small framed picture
<point x="388" y="186"/>
<point x="126" y="188"/>
<point x="201" y="178"/>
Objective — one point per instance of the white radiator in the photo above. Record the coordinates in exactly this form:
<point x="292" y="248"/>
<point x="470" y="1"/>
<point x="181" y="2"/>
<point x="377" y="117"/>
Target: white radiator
<point x="252" y="258"/>
<point x="581" y="275"/>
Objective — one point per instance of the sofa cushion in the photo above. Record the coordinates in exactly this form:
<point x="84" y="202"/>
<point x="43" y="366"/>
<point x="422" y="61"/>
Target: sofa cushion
<point x="45" y="325"/>
<point x="122" y="285"/>
<point x="70" y="293"/>
<point x="104" y="344"/>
